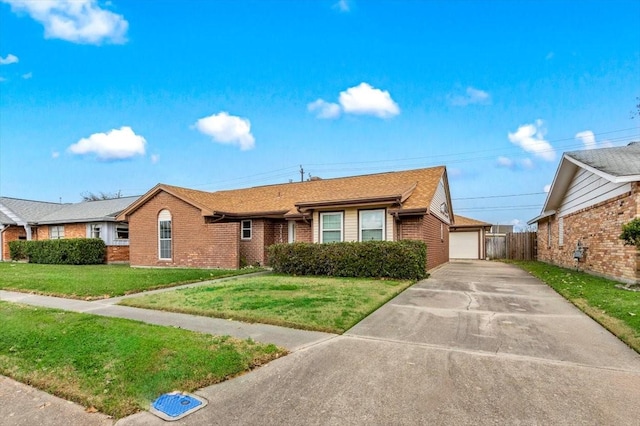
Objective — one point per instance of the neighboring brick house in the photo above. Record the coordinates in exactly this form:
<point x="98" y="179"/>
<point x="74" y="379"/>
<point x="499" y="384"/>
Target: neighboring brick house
<point x="467" y="240"/>
<point x="37" y="220"/>
<point x="173" y="226"/>
<point x="594" y="192"/>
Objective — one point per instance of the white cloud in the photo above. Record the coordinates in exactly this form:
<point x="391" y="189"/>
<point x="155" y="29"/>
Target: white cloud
<point x="55" y="154"/>
<point x="343" y="5"/>
<point x="324" y="109"/>
<point x="547" y="188"/>
<point x="27" y="76"/>
<point x="530" y="137"/>
<point x="471" y="96"/>
<point x="366" y="100"/>
<point x="77" y="21"/>
<point x="10" y="59"/>
<point x="454" y="172"/>
<point x="505" y="162"/>
<point x="228" y="129"/>
<point x="116" y="144"/>
<point x="155" y="158"/>
<point x="518" y="225"/>
<point x="587" y="138"/>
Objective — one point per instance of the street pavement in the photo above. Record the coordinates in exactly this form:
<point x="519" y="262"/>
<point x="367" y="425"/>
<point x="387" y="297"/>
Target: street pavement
<point x="476" y="343"/>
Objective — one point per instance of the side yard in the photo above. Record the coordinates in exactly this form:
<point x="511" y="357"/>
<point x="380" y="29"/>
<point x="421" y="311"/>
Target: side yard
<point x="604" y="300"/>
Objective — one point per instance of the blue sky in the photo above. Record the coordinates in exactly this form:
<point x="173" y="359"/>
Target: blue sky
<point x="120" y="95"/>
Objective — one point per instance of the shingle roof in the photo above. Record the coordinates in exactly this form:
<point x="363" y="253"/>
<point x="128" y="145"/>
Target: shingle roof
<point x="13" y="210"/>
<point x="89" y="211"/>
<point x="462" y="221"/>
<point x="415" y="188"/>
<point x="618" y="161"/>
<point x="27" y="210"/>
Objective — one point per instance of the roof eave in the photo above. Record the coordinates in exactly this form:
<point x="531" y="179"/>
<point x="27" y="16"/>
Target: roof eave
<point x="544" y="215"/>
<point x="386" y="199"/>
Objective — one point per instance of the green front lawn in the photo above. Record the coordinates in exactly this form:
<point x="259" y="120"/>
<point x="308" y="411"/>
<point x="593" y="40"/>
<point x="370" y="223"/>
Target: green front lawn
<point x="115" y="365"/>
<point x="616" y="309"/>
<point x="311" y="303"/>
<point x="99" y="281"/>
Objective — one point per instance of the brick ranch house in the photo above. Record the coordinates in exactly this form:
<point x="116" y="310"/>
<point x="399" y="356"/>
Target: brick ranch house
<point x="37" y="220"/>
<point x="593" y="194"/>
<point x="173" y="226"/>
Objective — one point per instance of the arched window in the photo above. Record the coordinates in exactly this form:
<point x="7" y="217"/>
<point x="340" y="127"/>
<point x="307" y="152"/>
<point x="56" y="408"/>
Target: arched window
<point x="164" y="235"/>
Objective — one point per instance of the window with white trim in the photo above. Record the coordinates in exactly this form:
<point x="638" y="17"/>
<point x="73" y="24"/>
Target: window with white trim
<point x="122" y="231"/>
<point x="372" y="225"/>
<point x="331" y="227"/>
<point x="56" y="232"/>
<point x="292" y="231"/>
<point x="246" y="229"/>
<point x="95" y="231"/>
<point x="561" y="231"/>
<point x="164" y="235"/>
<point x="549" y="234"/>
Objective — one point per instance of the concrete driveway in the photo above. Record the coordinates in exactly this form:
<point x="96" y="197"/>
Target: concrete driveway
<point x="477" y="343"/>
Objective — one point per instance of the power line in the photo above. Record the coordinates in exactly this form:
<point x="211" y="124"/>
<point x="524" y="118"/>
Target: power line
<point x="498" y="196"/>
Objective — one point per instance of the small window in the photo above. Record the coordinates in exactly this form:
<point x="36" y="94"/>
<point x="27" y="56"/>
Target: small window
<point x="549" y="234"/>
<point x="122" y="231"/>
<point x="95" y="231"/>
<point x="164" y="235"/>
<point x="56" y="232"/>
<point x="292" y="231"/>
<point x="246" y="229"/>
<point x="372" y="225"/>
<point x="561" y="231"/>
<point x="441" y="231"/>
<point x="330" y="227"/>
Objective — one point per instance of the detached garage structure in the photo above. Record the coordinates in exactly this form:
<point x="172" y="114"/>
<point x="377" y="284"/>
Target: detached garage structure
<point x="467" y="238"/>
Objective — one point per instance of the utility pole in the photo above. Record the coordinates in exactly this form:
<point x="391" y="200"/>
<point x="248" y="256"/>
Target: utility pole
<point x="301" y="173"/>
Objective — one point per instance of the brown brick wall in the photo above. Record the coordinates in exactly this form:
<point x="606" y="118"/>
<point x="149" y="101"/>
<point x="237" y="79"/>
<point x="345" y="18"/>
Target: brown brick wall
<point x="11" y="233"/>
<point x="117" y="254"/>
<point x="194" y="242"/>
<point x="265" y="232"/>
<point x="598" y="228"/>
<point x="304" y="232"/>
<point x="75" y="230"/>
<point x="427" y="229"/>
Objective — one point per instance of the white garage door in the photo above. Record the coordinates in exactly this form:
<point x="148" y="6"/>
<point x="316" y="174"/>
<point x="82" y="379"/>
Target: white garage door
<point x="464" y="245"/>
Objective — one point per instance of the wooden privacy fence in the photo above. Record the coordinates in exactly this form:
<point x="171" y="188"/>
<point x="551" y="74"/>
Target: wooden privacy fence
<point x="513" y="245"/>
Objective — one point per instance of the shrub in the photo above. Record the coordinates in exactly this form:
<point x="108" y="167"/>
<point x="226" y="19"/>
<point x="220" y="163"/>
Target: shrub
<point x="18" y="249"/>
<point x="405" y="259"/>
<point x="631" y="233"/>
<point x="73" y="251"/>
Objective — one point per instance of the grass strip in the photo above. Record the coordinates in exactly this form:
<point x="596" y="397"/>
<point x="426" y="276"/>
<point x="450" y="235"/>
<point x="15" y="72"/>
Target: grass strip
<point x="115" y="365"/>
<point x="615" y="308"/>
<point x="91" y="282"/>
<point x="311" y="303"/>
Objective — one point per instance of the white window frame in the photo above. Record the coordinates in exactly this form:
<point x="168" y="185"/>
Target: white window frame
<point x="291" y="235"/>
<point x="384" y="224"/>
<point x="56" y="232"/>
<point x="92" y="230"/>
<point x="248" y="228"/>
<point x="121" y="225"/>
<point x="549" y="233"/>
<point x="322" y="230"/>
<point x="165" y="216"/>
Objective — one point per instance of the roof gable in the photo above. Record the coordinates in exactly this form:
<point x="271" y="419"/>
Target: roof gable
<point x="617" y="165"/>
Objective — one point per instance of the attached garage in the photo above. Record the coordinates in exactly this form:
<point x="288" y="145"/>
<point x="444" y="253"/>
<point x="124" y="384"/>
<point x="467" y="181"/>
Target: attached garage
<point x="466" y="239"/>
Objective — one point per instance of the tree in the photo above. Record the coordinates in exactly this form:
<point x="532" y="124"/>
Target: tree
<point x="636" y="113"/>
<point x="90" y="196"/>
<point x="631" y="233"/>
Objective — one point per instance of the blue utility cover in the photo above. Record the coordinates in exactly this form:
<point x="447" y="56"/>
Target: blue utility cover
<point x="173" y="406"/>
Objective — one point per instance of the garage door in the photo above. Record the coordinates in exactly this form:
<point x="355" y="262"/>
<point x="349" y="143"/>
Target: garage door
<point x="464" y="245"/>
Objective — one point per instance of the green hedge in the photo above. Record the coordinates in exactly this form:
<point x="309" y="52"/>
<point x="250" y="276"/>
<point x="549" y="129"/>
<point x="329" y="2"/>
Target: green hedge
<point x="72" y="251"/>
<point x="405" y="259"/>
